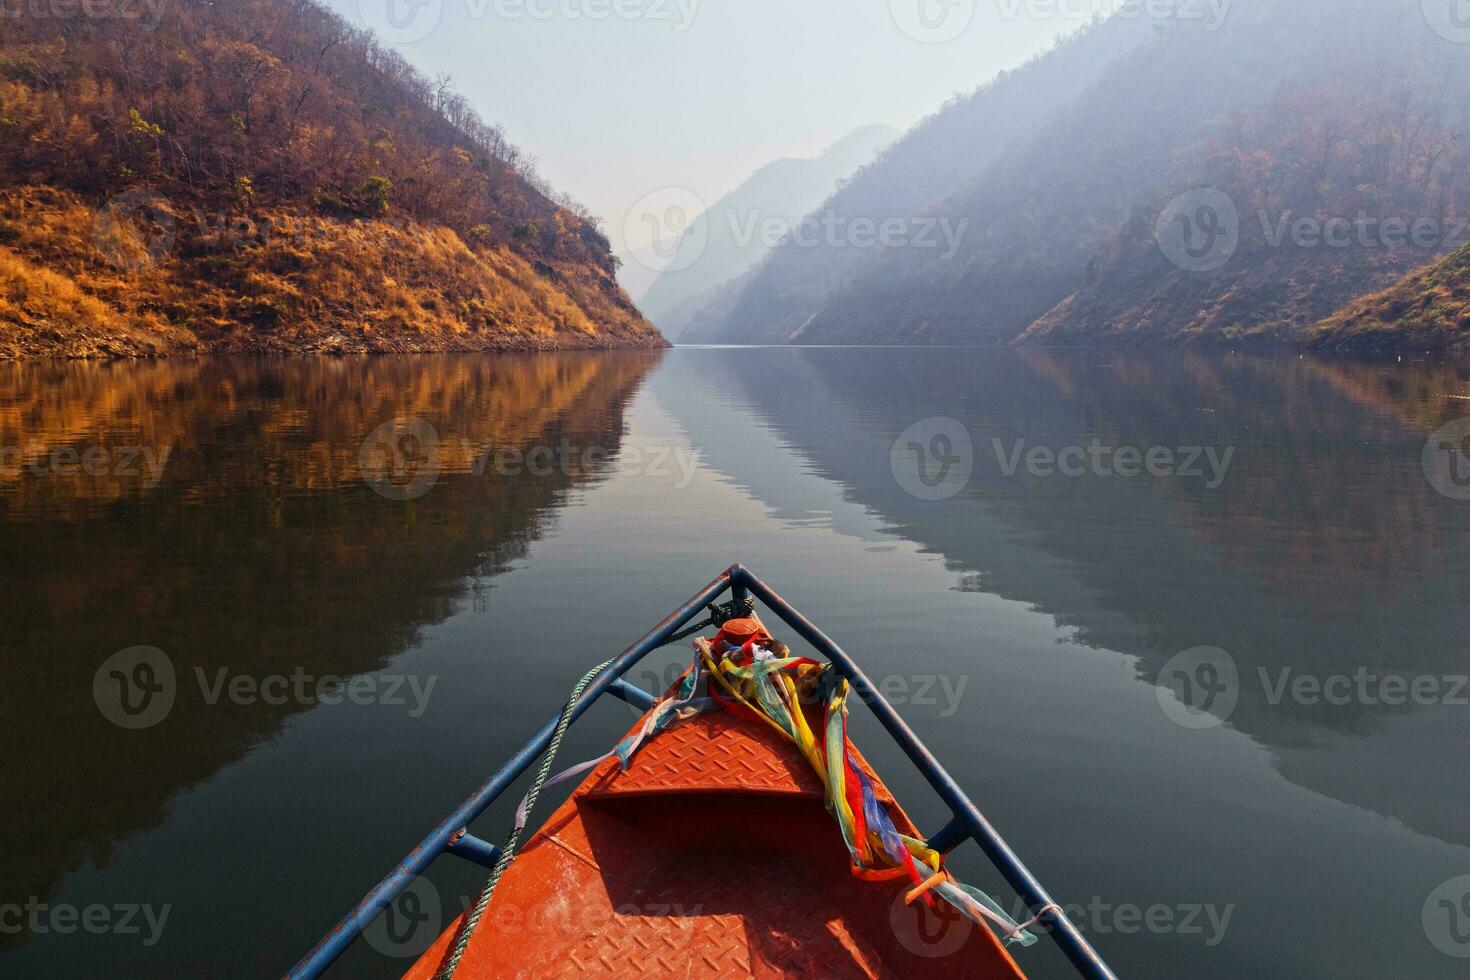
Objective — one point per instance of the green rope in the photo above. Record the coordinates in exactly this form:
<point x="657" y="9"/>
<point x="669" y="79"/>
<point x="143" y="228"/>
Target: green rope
<point x="719" y="615"/>
<point x="508" y="853"/>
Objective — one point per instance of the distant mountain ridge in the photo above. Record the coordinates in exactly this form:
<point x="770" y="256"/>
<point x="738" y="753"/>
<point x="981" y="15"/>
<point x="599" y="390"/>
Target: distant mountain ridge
<point x="1346" y="177"/>
<point x="931" y="161"/>
<point x="1289" y="111"/>
<point x="258" y="175"/>
<point x="734" y="234"/>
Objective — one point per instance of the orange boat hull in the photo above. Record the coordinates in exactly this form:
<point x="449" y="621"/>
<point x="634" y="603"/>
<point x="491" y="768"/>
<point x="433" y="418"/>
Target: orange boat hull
<point x="713" y="856"/>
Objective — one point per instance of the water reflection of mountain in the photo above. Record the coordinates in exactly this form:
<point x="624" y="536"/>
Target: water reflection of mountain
<point x="1324" y="549"/>
<point x="261" y="550"/>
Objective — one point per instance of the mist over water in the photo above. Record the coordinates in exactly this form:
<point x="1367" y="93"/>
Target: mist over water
<point x="1025" y="587"/>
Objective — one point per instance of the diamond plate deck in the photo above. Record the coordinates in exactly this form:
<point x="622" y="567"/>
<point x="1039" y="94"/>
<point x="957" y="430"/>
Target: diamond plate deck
<point x="712" y="753"/>
<point x="712" y="857"/>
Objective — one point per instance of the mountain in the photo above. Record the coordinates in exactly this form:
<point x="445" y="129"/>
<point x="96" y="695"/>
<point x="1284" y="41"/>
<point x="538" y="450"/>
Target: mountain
<point x="1345" y="179"/>
<point x="1038" y="217"/>
<point x="742" y="227"/>
<point x="1257" y="141"/>
<point x="258" y="175"/>
<point x="1427" y="310"/>
<point x="931" y="161"/>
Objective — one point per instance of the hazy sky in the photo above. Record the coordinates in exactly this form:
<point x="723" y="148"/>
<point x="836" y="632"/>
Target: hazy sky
<point x="619" y="99"/>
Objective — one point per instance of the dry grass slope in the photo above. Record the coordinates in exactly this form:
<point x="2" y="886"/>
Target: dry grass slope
<point x="1428" y="310"/>
<point x="75" y="283"/>
<point x="259" y="175"/>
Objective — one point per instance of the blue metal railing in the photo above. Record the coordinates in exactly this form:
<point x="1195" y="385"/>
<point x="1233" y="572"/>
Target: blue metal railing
<point x="967" y="823"/>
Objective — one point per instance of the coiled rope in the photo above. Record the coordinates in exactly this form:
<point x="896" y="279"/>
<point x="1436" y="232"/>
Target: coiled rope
<point x="718" y="616"/>
<point x="508" y="852"/>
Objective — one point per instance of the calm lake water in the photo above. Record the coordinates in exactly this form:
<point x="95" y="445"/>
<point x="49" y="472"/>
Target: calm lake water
<point x="1290" y="801"/>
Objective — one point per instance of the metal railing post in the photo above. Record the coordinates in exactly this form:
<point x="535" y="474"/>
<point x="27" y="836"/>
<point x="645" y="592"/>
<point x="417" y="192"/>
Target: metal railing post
<point x="335" y="943"/>
<point x="451" y="835"/>
<point x="1061" y="929"/>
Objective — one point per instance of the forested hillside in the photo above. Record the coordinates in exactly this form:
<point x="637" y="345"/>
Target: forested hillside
<point x="1254" y="142"/>
<point x="1427" y="310"/>
<point x="1349" y="176"/>
<point x="258" y="175"/>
